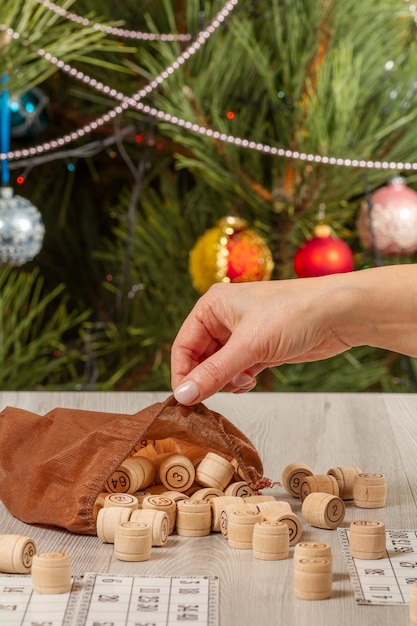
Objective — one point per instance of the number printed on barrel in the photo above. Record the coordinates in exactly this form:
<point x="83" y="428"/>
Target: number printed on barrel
<point x="177" y="472"/>
<point x="292" y="477"/>
<point x="119" y="482"/>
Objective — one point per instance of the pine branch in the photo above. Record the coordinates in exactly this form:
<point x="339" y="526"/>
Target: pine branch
<point x="39" y="27"/>
<point x="33" y="326"/>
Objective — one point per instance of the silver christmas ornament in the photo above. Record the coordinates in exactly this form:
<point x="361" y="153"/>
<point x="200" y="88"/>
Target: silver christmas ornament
<point x="21" y="229"/>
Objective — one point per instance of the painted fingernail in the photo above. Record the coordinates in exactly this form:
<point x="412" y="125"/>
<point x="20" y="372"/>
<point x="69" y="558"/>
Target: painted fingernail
<point x="187" y="392"/>
<point x="243" y="380"/>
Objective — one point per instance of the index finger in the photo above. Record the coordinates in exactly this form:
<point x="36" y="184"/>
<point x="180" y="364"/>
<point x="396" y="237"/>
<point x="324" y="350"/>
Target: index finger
<point x="193" y="343"/>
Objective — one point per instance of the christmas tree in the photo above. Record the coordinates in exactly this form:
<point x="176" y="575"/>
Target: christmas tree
<point x="136" y="127"/>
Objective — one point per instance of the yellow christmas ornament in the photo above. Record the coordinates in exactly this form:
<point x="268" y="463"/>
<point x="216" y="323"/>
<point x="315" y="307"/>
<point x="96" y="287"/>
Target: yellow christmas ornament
<point x="229" y="253"/>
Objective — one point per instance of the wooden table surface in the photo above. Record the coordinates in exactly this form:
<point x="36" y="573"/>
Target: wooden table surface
<point x="377" y="432"/>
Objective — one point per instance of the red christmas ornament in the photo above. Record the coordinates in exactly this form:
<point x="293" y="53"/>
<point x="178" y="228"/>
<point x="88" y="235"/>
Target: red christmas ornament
<point x="322" y="255"/>
<point x="391" y="224"/>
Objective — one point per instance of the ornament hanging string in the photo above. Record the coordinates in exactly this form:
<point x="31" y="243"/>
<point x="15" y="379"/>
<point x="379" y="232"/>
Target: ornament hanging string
<point x="4" y="130"/>
<point x="368" y="195"/>
<point x="21" y="225"/>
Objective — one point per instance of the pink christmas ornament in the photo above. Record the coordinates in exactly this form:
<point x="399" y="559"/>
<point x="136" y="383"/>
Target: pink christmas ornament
<point x="393" y="217"/>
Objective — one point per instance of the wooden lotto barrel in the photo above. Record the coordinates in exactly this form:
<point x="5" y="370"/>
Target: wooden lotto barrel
<point x="370" y="490"/>
<point x="159" y="522"/>
<point x="312" y="549"/>
<point x="134" y="474"/>
<point x="133" y="541"/>
<point x="292" y="477"/>
<point x="345" y="477"/>
<point x="367" y="539"/>
<point x="214" y="471"/>
<point x="313" y="578"/>
<point x="177" y="472"/>
<point x="51" y="572"/>
<point x="323" y="510"/>
<point x="319" y="483"/>
<point x="16" y="554"/>
<point x="240" y="525"/>
<point x="108" y="519"/>
<point x="193" y="518"/>
<point x="270" y="541"/>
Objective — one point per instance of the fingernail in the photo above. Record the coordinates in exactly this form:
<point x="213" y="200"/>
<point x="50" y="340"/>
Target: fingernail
<point x="187" y="392"/>
<point x="242" y="380"/>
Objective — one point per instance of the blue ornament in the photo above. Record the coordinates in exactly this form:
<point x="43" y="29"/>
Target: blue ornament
<point x="21" y="229"/>
<point x="29" y="113"/>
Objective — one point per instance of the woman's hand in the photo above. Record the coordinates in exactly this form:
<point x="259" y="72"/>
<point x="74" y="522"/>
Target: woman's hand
<point x="237" y="330"/>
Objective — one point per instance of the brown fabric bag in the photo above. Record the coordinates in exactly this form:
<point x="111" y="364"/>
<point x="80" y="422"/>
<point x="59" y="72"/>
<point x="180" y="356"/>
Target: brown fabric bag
<point x="53" y="466"/>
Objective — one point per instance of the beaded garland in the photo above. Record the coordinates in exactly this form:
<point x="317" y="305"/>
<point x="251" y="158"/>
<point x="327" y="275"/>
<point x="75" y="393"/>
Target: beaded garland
<point x="134" y="101"/>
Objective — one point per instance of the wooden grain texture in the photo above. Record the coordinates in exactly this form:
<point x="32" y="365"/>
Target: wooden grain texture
<point x="376" y="432"/>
